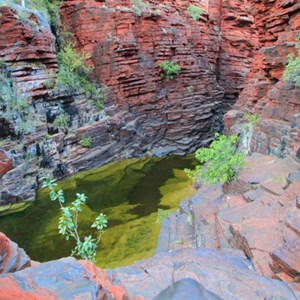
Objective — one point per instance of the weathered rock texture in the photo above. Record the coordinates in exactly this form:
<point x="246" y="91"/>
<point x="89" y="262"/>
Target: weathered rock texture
<point x="126" y="50"/>
<point x="256" y="214"/>
<point x="12" y="258"/>
<point x="277" y="102"/>
<point x="224" y="276"/>
<point x="143" y="111"/>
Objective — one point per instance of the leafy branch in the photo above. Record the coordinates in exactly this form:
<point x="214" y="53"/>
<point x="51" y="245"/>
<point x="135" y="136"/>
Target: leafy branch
<point x="220" y="162"/>
<point x="68" y="222"/>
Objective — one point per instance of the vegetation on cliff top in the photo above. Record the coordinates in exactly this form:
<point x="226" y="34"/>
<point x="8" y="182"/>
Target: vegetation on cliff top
<point x="50" y="8"/>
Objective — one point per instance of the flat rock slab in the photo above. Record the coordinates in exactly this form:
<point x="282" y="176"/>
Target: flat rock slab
<point x="225" y="275"/>
<point x="66" y="278"/>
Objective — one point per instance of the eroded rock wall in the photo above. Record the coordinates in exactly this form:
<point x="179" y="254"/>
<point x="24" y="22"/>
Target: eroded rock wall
<point x="265" y="93"/>
<point x="126" y="50"/>
<point x="143" y="112"/>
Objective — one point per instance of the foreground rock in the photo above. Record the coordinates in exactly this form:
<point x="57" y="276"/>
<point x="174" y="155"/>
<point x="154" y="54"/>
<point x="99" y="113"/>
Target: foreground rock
<point x="12" y="258"/>
<point x="257" y="214"/>
<point x="246" y="240"/>
<point x="224" y="276"/>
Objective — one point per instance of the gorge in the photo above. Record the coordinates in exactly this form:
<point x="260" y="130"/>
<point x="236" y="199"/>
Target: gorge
<point x="244" y="235"/>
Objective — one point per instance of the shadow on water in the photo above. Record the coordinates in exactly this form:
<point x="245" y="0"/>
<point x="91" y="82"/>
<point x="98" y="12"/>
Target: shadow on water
<point x="129" y="192"/>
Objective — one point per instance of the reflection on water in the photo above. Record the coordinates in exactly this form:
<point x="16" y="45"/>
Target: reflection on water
<point x="129" y="192"/>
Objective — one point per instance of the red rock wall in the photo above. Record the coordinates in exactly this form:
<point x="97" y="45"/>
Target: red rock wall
<point x="126" y="51"/>
<point x="143" y="111"/>
<point x="28" y="43"/>
<point x="277" y="102"/>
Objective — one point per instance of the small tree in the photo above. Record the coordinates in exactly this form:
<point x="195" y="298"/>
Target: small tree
<point x="68" y="222"/>
<point x="220" y="162"/>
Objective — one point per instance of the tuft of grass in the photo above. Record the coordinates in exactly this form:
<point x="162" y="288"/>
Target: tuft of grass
<point x="62" y="121"/>
<point x="85" y="142"/>
<point x="169" y="69"/>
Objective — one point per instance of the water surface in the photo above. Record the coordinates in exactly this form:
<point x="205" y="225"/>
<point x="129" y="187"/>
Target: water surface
<point x="129" y="192"/>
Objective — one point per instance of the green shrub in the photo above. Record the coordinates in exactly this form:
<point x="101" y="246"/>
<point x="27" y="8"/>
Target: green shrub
<point x="169" y="69"/>
<point x="251" y="119"/>
<point x="195" y="12"/>
<point x="68" y="222"/>
<point x="139" y="6"/>
<point x="292" y="70"/>
<point x="13" y="106"/>
<point x="220" y="162"/>
<point x="85" y="142"/>
<point x="62" y="121"/>
<point x="73" y="74"/>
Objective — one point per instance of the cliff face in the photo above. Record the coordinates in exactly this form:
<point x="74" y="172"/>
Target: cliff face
<point x="144" y="112"/>
<point x="125" y="50"/>
<point x="277" y="102"/>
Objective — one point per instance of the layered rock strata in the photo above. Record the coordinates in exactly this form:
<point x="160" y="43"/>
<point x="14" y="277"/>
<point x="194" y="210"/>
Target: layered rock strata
<point x="143" y="112"/>
<point x="265" y="92"/>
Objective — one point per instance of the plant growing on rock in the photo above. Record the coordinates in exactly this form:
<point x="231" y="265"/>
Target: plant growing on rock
<point x="73" y="74"/>
<point x="49" y="8"/>
<point x="13" y="106"/>
<point x="195" y="12"/>
<point x="85" y="142"/>
<point x="68" y="222"/>
<point x="220" y="162"/>
<point x="169" y="69"/>
<point x="62" y="121"/>
<point x="72" y="71"/>
<point x="292" y="70"/>
<point x="251" y="120"/>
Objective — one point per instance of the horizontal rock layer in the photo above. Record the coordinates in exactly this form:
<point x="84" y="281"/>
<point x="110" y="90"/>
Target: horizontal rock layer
<point x="265" y="93"/>
<point x="143" y="111"/>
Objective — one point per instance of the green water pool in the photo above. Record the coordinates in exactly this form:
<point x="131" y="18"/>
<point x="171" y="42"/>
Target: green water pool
<point x="129" y="192"/>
